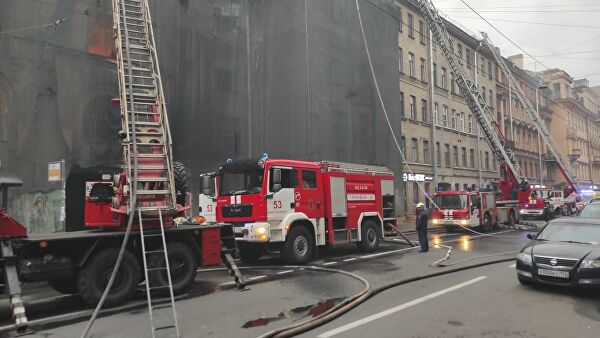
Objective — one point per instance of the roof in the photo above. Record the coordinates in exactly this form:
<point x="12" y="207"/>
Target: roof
<point x="10" y="181"/>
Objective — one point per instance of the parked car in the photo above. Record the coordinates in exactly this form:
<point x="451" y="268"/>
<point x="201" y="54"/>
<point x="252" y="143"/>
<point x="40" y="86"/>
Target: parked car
<point x="591" y="210"/>
<point x="565" y="252"/>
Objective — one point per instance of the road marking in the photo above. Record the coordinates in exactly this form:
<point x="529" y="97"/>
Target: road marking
<point x="350" y="259"/>
<point x="398" y="308"/>
<point x="329" y="263"/>
<point x="514" y="265"/>
<point x="386" y="253"/>
<point x="257" y="277"/>
<point x="284" y="272"/>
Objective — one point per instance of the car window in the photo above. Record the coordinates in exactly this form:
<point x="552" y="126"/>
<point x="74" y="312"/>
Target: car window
<point x="289" y="178"/>
<point x="591" y="211"/>
<point x="565" y="232"/>
<point x="309" y="179"/>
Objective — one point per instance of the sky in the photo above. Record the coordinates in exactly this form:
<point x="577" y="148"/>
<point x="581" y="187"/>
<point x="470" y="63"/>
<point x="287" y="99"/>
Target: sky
<point x="556" y="33"/>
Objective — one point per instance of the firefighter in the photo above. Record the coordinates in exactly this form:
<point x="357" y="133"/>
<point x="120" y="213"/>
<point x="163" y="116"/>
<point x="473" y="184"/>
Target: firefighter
<point x="422" y="219"/>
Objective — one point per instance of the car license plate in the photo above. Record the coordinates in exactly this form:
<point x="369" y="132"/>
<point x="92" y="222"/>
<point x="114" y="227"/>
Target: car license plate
<point x="553" y="273"/>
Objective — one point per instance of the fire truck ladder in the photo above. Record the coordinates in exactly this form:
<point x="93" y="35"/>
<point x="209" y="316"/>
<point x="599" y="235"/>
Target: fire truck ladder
<point x="537" y="121"/>
<point x="147" y="151"/>
<point x="475" y="100"/>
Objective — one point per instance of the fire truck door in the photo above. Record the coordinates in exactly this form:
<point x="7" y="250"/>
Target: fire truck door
<point x="475" y="208"/>
<point x="208" y="203"/>
<point x="282" y="202"/>
<point x="309" y="196"/>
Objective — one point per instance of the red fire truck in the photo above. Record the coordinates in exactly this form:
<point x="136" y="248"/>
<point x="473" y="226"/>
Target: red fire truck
<point x="465" y="209"/>
<point x="544" y="203"/>
<point x="294" y="206"/>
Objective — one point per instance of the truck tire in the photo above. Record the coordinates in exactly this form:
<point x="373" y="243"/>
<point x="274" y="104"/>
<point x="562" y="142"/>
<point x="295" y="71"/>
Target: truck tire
<point x="183" y="265"/>
<point x="180" y="175"/>
<point x="299" y="246"/>
<point x="250" y="253"/>
<point x="369" y="237"/>
<point x="65" y="286"/>
<point x="93" y="277"/>
<point x="487" y="223"/>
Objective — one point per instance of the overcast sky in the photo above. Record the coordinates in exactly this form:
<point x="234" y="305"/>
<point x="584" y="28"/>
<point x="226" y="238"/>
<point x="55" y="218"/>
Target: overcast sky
<point x="574" y="49"/>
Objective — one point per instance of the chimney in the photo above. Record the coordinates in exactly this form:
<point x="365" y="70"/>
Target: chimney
<point x="517" y="60"/>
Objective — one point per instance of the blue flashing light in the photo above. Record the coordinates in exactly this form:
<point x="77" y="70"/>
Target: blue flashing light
<point x="265" y="156"/>
<point x="229" y="161"/>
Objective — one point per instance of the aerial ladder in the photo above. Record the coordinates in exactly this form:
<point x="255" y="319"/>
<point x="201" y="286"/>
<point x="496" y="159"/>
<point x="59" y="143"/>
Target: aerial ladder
<point x="536" y="120"/>
<point x="513" y="184"/>
<point x="146" y="138"/>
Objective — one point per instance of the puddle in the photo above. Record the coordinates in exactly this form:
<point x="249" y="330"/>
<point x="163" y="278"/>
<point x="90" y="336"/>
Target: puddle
<point x="297" y="313"/>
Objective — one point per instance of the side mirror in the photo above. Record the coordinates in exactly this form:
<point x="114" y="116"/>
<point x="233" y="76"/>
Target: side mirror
<point x="276" y="180"/>
<point x="205" y="184"/>
<point x="530" y="236"/>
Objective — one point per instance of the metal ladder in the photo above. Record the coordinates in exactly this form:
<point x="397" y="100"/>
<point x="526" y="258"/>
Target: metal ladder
<point x="537" y="121"/>
<point x="469" y="91"/>
<point x="155" y="304"/>
<point x="147" y="146"/>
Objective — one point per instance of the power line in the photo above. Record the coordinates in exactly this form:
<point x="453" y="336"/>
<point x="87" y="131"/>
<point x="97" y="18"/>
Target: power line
<point x="530" y="22"/>
<point x="530" y="11"/>
<point x="571" y="53"/>
<point x="52" y="24"/>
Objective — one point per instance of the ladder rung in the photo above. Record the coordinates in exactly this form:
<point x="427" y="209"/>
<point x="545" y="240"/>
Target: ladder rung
<point x="151" y="155"/>
<point x="152" y="179"/>
<point x="153" y="192"/>
<point x="159" y="287"/>
<point x="152" y="167"/>
<point x="157" y="269"/>
<point x="153" y="235"/>
<point x="158" y="307"/>
<point x="164" y="327"/>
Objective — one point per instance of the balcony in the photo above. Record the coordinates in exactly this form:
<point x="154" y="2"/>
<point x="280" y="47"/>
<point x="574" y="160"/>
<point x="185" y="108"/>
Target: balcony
<point x="574" y="154"/>
<point x="596" y="160"/>
<point x="548" y="157"/>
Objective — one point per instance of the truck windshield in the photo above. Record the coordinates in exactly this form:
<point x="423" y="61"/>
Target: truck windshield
<point x="241" y="183"/>
<point x="451" y="201"/>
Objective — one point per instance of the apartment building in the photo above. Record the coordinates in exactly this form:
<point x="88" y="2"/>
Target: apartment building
<point x="575" y="126"/>
<point x="439" y="133"/>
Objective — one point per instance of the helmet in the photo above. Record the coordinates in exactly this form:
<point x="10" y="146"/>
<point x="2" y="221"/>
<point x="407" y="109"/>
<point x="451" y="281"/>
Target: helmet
<point x="420" y="206"/>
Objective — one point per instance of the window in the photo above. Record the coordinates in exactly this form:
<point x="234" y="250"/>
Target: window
<point x="412" y="107"/>
<point x="487" y="161"/>
<point x="461" y="127"/>
<point x="421" y="31"/>
<point x="411" y="26"/>
<point x="456" y="186"/>
<point x="468" y="54"/>
<point x="289" y="178"/>
<point x="445" y="116"/>
<point x="490" y="70"/>
<point x="460" y="56"/>
<point x="444" y="78"/>
<point x="491" y="100"/>
<point x="402" y="104"/>
<point x="464" y="157"/>
<point x="309" y="179"/>
<point x="453" y="119"/>
<point x="400" y="60"/>
<point x="415" y="192"/>
<point x="455" y="155"/>
<point x="472" y="158"/>
<point x="437" y="154"/>
<point x="436" y="114"/>
<point x="483" y="92"/>
<point x="452" y="86"/>
<point x="415" y="150"/>
<point x="411" y="64"/>
<point x="470" y="124"/>
<point x="403" y="146"/>
<point x="434" y="74"/>
<point x="426" y="155"/>
<point x="422" y="68"/>
<point x="401" y="19"/>
<point x="495" y="167"/>
<point x="447" y="154"/>
<point x="424" y="112"/>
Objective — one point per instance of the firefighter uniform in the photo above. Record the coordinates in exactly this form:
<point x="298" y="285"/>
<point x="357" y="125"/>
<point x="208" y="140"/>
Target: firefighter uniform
<point x="421" y="223"/>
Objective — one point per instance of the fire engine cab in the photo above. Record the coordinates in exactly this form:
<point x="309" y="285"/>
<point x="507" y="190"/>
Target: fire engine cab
<point x="465" y="209"/>
<point x="544" y="203"/>
<point x="294" y="206"/>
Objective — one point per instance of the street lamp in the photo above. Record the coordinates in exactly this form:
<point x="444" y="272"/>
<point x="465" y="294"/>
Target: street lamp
<point x="537" y="111"/>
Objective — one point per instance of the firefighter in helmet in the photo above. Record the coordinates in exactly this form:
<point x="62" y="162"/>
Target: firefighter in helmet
<point x="422" y="219"/>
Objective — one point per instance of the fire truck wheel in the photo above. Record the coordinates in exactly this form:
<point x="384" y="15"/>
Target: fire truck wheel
<point x="66" y="286"/>
<point x="94" y="276"/>
<point x="182" y="264"/>
<point x="299" y="246"/>
<point x="250" y="254"/>
<point x="487" y="223"/>
<point x="369" y="237"/>
<point x="180" y="176"/>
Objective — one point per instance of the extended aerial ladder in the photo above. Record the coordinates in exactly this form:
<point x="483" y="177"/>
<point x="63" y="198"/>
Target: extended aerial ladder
<point x="536" y="120"/>
<point x="512" y="175"/>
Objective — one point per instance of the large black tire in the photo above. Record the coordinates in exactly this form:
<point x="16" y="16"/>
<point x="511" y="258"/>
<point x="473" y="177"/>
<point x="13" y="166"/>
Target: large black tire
<point x="487" y="223"/>
<point x="180" y="176"/>
<point x="250" y="253"/>
<point x="93" y="277"/>
<point x="299" y="246"/>
<point x="183" y="264"/>
<point x="66" y="286"/>
<point x="369" y="236"/>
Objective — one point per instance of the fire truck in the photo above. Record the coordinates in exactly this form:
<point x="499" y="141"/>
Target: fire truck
<point x="513" y="189"/>
<point x="296" y="206"/>
<point x="146" y="199"/>
<point x="544" y="203"/>
<point x="465" y="209"/>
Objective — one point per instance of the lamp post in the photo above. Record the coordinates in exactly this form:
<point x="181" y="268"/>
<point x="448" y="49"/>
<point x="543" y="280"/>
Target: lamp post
<point x="537" y="111"/>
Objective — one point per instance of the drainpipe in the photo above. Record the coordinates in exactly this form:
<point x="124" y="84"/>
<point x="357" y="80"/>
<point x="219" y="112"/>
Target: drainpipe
<point x="478" y="127"/>
<point x="433" y="118"/>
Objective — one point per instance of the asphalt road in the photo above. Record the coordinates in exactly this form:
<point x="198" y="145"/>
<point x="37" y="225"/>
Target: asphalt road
<point x="493" y="304"/>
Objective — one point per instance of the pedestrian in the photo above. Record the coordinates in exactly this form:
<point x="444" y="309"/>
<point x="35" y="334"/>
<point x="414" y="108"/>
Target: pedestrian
<point x="422" y="219"/>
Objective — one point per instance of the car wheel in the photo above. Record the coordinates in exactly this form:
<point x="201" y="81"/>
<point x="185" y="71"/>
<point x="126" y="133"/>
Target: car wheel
<point x="369" y="237"/>
<point x="299" y="246"/>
